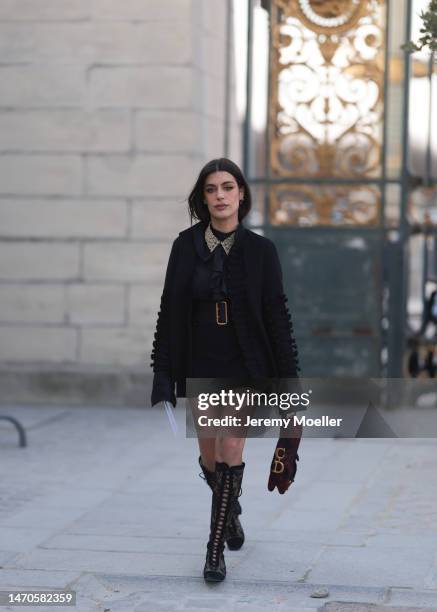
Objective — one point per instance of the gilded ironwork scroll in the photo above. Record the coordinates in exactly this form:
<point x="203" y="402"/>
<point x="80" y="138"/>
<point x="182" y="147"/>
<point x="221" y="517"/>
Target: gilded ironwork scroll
<point x="326" y="109"/>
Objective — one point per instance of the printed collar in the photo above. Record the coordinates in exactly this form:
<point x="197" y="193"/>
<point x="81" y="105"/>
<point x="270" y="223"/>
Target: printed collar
<point x="212" y="241"/>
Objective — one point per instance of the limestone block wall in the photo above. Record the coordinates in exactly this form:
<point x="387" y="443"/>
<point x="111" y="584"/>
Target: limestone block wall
<point x="108" y="109"/>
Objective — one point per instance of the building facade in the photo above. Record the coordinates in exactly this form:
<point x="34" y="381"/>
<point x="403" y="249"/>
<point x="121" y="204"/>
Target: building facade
<point x="107" y="112"/>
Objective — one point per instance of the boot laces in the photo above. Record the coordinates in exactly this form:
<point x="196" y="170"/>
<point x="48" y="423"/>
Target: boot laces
<point x="222" y="511"/>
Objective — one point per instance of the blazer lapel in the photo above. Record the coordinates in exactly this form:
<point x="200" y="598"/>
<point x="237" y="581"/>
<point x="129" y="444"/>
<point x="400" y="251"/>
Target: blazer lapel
<point x="185" y="268"/>
<point x="253" y="267"/>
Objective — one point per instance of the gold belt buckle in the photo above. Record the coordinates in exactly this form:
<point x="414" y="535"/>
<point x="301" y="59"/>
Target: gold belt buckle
<point x="217" y="313"/>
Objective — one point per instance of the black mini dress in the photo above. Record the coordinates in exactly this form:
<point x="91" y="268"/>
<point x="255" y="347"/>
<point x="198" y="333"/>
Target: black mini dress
<point x="215" y="351"/>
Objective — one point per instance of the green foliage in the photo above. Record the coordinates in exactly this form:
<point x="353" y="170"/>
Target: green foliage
<point x="428" y="31"/>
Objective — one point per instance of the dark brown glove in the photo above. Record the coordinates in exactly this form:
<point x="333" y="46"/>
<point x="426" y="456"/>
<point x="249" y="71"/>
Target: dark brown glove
<point x="283" y="467"/>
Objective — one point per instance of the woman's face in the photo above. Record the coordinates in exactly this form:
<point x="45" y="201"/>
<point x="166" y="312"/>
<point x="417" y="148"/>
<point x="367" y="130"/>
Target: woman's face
<point x="222" y="196"/>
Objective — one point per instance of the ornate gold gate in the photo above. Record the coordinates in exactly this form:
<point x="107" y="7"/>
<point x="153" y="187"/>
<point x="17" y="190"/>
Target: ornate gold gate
<point x="326" y="110"/>
<point x="328" y="172"/>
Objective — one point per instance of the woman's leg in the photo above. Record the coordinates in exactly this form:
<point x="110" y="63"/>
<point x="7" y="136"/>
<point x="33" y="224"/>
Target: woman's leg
<point x="229" y="447"/>
<point x="230" y="450"/>
<point x="222" y="450"/>
<point x="207" y="448"/>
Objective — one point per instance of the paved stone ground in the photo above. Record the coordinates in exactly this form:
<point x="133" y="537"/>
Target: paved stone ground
<point x="107" y="502"/>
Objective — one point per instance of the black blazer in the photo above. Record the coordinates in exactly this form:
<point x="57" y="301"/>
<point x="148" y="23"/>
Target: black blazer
<point x="261" y="318"/>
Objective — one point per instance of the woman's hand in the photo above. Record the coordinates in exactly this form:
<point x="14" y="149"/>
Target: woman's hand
<point x="283" y="467"/>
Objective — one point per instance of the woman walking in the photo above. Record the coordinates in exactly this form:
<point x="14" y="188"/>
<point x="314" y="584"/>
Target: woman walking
<point x="223" y="314"/>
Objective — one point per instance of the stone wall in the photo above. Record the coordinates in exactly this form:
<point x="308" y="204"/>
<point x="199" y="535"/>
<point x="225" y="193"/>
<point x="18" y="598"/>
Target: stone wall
<point x="108" y="109"/>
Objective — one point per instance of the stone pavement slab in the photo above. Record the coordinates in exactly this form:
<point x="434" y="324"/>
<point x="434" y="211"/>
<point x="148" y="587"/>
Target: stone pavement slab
<point x="108" y="502"/>
<point x="172" y="594"/>
<point x="373" y="566"/>
<point x="353" y="607"/>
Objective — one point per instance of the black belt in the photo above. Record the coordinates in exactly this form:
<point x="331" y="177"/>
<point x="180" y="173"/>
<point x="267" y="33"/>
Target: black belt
<point x="212" y="312"/>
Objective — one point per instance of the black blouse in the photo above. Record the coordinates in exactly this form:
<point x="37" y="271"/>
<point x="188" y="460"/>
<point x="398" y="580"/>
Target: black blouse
<point x="209" y="274"/>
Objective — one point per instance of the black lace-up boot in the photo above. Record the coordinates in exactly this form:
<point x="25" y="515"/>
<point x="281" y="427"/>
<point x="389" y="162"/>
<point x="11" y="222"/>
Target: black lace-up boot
<point x="208" y="476"/>
<point x="234" y="534"/>
<point x="234" y="531"/>
<point x="228" y="481"/>
<point x="215" y="567"/>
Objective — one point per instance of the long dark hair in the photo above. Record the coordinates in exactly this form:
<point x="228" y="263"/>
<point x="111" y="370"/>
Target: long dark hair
<point x="196" y="205"/>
